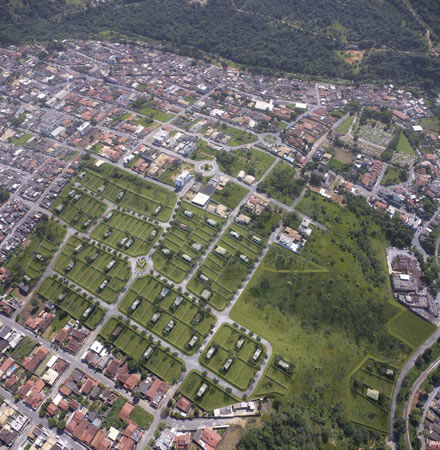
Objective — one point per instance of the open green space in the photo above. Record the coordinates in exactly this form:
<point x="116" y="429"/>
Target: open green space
<point x="31" y="260"/>
<point x="97" y="270"/>
<point x="169" y="175"/>
<point x="23" y="349"/>
<point x="190" y="323"/>
<point x="231" y="195"/>
<point x="141" y="417"/>
<point x="22" y="139"/>
<point x="203" y="151"/>
<point x="325" y="310"/>
<point x="403" y="146"/>
<point x="345" y="125"/>
<point x="149" y="111"/>
<point x="238" y="137"/>
<point x="134" y="344"/>
<point x="233" y="356"/>
<point x="214" y="396"/>
<point x="127" y="233"/>
<point x="410" y="328"/>
<point x="393" y="176"/>
<point x="252" y="161"/>
<point x="79" y="306"/>
<point x="128" y="190"/>
<point x="281" y="184"/>
<point x="192" y="230"/>
<point x="78" y="208"/>
<point x="231" y="260"/>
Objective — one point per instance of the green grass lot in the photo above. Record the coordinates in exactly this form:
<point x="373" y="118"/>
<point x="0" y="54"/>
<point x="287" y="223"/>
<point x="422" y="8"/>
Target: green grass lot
<point x="226" y="273"/>
<point x="410" y="328"/>
<point x="23" y="349"/>
<point x="134" y="344"/>
<point x="238" y="137"/>
<point x="325" y="310"/>
<point x="169" y="175"/>
<point x="113" y="416"/>
<point x="21" y="140"/>
<point x="203" y="151"/>
<point x="190" y="320"/>
<point x="33" y="259"/>
<point x="89" y="269"/>
<point x="274" y="382"/>
<point x="141" y="417"/>
<point x="403" y="146"/>
<point x="80" y="214"/>
<point x="184" y="232"/>
<point x="214" y="397"/>
<point x="394" y="176"/>
<point x="124" y="225"/>
<point x="254" y="162"/>
<point x="345" y="126"/>
<point x="243" y="369"/>
<point x="148" y="110"/>
<point x="74" y="303"/>
<point x="231" y="195"/>
<point x="140" y="195"/>
<point x="281" y="184"/>
<point x="366" y="411"/>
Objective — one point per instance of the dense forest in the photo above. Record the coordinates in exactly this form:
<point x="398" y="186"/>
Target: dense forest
<point x="294" y="36"/>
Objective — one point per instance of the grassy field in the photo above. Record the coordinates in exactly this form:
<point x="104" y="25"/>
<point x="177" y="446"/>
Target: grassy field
<point x="394" y="176"/>
<point x="23" y="349"/>
<point x="203" y="151"/>
<point x="189" y="229"/>
<point x="214" y="397"/>
<point x="190" y="320"/>
<point x="22" y="139"/>
<point x="326" y="310"/>
<point x="251" y="161"/>
<point x="345" y="126"/>
<point x="137" y="194"/>
<point x="281" y="184"/>
<point x="55" y="291"/>
<point x="230" y="343"/>
<point x="33" y="259"/>
<point x="77" y="208"/>
<point x="148" y="110"/>
<point x="90" y="268"/>
<point x="231" y="195"/>
<point x="230" y="261"/>
<point x="134" y="344"/>
<point x="403" y="146"/>
<point x="122" y="227"/>
<point x="410" y="328"/>
<point x="238" y="137"/>
<point x="141" y="417"/>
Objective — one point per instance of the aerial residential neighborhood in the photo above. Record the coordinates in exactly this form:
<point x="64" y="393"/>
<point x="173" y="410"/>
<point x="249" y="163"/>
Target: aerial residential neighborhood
<point x="146" y="197"/>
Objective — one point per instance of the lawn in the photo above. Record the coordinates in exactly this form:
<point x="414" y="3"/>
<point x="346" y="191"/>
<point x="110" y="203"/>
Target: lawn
<point x="128" y="190"/>
<point x="149" y="111"/>
<point x="345" y="125"/>
<point x="32" y="259"/>
<point x="23" y="349"/>
<point x="231" y="195"/>
<point x="238" y="137"/>
<point x="214" y="397"/>
<point x="72" y="302"/>
<point x="203" y="151"/>
<point x="394" y="176"/>
<point x="121" y="228"/>
<point x="141" y="417"/>
<point x="99" y="271"/>
<point x="230" y="261"/>
<point x="410" y="328"/>
<point x="22" y="139"/>
<point x="78" y="208"/>
<point x="134" y="344"/>
<point x="189" y="235"/>
<point x="229" y="343"/>
<point x="326" y="310"/>
<point x="281" y="184"/>
<point x="189" y="319"/>
<point x="403" y="146"/>
<point x="252" y="161"/>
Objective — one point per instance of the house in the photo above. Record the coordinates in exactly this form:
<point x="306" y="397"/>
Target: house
<point x="182" y="179"/>
<point x="182" y="440"/>
<point x="183" y="404"/>
<point x="208" y="439"/>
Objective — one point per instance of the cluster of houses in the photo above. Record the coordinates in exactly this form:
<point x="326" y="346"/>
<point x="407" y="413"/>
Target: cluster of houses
<point x="206" y="438"/>
<point x="432" y="424"/>
<point x="295" y="240"/>
<point x="12" y="423"/>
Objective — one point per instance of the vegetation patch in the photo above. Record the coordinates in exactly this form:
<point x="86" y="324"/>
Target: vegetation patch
<point x="231" y="195"/>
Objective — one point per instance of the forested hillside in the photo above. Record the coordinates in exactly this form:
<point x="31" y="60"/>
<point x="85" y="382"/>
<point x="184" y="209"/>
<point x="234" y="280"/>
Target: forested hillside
<point x="295" y="36"/>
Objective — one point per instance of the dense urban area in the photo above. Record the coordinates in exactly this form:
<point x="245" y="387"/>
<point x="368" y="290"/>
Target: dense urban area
<point x="187" y="248"/>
